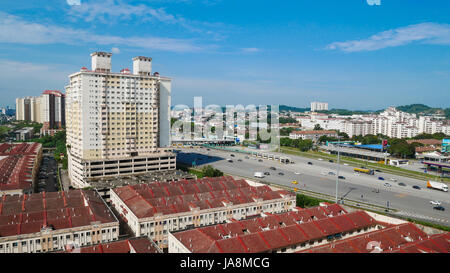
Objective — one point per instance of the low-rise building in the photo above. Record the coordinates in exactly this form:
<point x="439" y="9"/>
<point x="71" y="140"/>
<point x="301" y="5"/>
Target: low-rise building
<point x="44" y="222"/>
<point x="131" y="245"/>
<point x="286" y="232"/>
<point x="313" y="135"/>
<point x="19" y="166"/>
<point x="157" y="208"/>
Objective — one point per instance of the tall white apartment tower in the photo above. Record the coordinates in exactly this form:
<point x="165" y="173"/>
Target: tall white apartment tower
<point x="317" y="106"/>
<point x="117" y="123"/>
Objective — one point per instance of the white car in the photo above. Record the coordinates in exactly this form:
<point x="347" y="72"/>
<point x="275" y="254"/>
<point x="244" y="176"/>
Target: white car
<point x="357" y="174"/>
<point x="320" y="159"/>
<point x="436" y="203"/>
<point x="393" y="179"/>
<point x="297" y="173"/>
<point x="387" y="184"/>
<point x="324" y="173"/>
<point x="345" y="164"/>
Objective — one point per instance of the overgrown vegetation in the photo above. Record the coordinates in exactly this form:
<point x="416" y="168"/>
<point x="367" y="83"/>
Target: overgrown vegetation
<point x="300" y="144"/>
<point x="305" y="201"/>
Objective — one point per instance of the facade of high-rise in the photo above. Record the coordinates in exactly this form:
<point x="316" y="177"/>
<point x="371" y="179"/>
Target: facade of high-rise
<point x="318" y="106"/>
<point x="28" y="109"/>
<point x="117" y="123"/>
<point x="53" y="114"/>
<point x="48" y="109"/>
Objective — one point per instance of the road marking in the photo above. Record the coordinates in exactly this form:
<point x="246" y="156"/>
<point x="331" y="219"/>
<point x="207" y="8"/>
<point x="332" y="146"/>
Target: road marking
<point x="401" y="195"/>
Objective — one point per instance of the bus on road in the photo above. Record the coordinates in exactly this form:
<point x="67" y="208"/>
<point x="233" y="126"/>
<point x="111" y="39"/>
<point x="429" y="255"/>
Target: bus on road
<point x="362" y="170"/>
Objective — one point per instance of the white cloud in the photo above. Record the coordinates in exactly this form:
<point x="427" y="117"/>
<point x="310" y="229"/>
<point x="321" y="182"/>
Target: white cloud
<point x="110" y="11"/>
<point x="250" y="49"/>
<point x="15" y="30"/>
<point x="115" y="50"/>
<point x="427" y="33"/>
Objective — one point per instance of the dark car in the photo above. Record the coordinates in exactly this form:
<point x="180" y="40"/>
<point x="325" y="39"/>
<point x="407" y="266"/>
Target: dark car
<point x="380" y="178"/>
<point x="378" y="171"/>
<point x="266" y="173"/>
<point x="240" y="160"/>
<point x="330" y="161"/>
<point x="247" y="157"/>
<point x="273" y="168"/>
<point x="416" y="187"/>
<point x="280" y="173"/>
<point x="232" y="155"/>
<point x="341" y="177"/>
<point x="401" y="184"/>
<point x="439" y="208"/>
<point x="260" y="160"/>
<point x="310" y="163"/>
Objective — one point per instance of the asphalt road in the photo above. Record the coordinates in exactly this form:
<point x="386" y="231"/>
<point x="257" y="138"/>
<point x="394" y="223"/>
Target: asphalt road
<point x="410" y="202"/>
<point x="48" y="168"/>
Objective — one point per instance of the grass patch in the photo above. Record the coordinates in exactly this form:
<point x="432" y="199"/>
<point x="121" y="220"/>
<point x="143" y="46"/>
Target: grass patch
<point x="428" y="224"/>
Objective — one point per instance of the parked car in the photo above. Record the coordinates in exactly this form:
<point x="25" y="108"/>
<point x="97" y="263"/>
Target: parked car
<point x="401" y="184"/>
<point x="273" y="168"/>
<point x="387" y="185"/>
<point x="416" y="187"/>
<point x="266" y="173"/>
<point x="280" y="173"/>
<point x="320" y="159"/>
<point x="330" y="161"/>
<point x="310" y="163"/>
<point x="393" y="179"/>
<point x="297" y="173"/>
<point x="341" y="177"/>
<point x="378" y="171"/>
<point x="260" y="160"/>
<point x="232" y="155"/>
<point x="331" y="173"/>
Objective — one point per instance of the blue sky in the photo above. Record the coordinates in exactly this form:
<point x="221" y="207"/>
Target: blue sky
<point x="348" y="53"/>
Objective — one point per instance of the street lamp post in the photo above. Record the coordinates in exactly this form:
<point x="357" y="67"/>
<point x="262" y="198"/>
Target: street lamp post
<point x="337" y="170"/>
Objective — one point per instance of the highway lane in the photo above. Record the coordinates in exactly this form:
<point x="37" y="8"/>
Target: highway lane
<point x="410" y="201"/>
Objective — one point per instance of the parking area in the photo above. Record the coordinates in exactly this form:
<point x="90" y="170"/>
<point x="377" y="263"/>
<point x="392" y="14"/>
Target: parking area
<point x="47" y="180"/>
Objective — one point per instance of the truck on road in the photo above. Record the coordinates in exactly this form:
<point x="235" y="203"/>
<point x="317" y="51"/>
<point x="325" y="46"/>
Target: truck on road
<point x="437" y="185"/>
<point x="258" y="175"/>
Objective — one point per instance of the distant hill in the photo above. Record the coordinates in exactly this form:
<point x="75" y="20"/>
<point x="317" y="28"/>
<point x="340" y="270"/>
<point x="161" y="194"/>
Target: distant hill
<point x="293" y="109"/>
<point x="412" y="108"/>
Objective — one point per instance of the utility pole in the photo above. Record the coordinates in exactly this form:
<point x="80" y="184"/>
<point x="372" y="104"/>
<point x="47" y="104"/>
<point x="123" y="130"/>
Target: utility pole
<point x="337" y="170"/>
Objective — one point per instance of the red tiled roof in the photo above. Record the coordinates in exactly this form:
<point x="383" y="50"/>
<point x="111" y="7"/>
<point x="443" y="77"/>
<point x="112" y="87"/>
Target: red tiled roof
<point x="145" y="200"/>
<point x="16" y="165"/>
<point x="29" y="213"/>
<point x="399" y="238"/>
<point x="138" y="245"/>
<point x="272" y="232"/>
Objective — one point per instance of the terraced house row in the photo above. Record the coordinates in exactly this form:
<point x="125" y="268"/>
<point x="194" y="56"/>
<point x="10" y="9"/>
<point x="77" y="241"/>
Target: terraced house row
<point x="155" y="209"/>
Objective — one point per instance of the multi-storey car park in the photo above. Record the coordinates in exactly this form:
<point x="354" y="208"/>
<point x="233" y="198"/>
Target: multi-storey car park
<point x="327" y="228"/>
<point x="117" y="123"/>
<point x="45" y="222"/>
<point x="157" y="208"/>
<point x="19" y="166"/>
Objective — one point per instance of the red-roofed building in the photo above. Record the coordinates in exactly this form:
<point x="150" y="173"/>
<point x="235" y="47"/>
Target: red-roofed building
<point x="44" y="222"/>
<point x="402" y="238"/>
<point x="285" y="232"/>
<point x="132" y="245"/>
<point x="19" y="165"/>
<point x="155" y="209"/>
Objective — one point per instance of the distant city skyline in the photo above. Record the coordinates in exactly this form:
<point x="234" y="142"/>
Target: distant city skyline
<point x="350" y="54"/>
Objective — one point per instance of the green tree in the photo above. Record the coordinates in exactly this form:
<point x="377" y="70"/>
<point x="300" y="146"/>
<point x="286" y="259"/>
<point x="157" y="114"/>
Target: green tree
<point x="317" y="127"/>
<point x="209" y="171"/>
